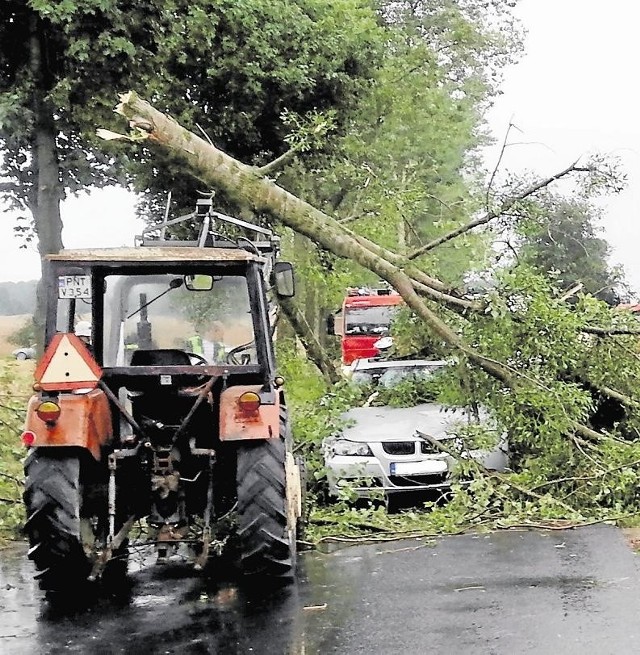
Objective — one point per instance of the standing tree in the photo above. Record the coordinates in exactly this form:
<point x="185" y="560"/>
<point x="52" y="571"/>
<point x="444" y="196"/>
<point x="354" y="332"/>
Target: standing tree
<point x="52" y="87"/>
<point x="405" y="169"/>
<point x="562" y="241"/>
<point x="61" y="60"/>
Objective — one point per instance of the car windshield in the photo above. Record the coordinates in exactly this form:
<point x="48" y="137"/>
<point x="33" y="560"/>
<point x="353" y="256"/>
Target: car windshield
<point x="390" y="376"/>
<point x="394" y="376"/>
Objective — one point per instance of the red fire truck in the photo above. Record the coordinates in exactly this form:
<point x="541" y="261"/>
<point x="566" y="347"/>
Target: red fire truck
<point x="365" y="317"/>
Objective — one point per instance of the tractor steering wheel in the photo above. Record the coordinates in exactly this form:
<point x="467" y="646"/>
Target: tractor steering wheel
<point x="199" y="360"/>
<point x="232" y="355"/>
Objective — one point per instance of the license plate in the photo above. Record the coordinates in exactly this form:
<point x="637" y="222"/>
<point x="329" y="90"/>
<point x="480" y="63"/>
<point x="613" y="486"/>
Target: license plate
<point x="74" y="286"/>
<point x="429" y="467"/>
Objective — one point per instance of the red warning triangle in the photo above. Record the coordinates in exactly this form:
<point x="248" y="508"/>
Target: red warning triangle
<point x="66" y="365"/>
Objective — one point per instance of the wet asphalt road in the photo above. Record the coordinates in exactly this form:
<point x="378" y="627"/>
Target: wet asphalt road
<point x="563" y="592"/>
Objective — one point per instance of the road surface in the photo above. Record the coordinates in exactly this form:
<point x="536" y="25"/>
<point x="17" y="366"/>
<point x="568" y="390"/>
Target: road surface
<point x="575" y="591"/>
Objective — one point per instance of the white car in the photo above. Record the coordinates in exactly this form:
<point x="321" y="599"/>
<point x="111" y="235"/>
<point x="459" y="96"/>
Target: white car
<point x="383" y="451"/>
<point x="28" y="352"/>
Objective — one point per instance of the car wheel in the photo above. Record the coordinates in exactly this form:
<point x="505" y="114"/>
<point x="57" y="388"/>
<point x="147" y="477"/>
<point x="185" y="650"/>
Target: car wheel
<point x="393" y="503"/>
<point x="21" y="356"/>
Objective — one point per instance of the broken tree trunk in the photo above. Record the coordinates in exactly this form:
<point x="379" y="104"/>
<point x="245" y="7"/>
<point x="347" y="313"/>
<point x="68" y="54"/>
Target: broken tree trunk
<point x="245" y="185"/>
<point x="248" y="187"/>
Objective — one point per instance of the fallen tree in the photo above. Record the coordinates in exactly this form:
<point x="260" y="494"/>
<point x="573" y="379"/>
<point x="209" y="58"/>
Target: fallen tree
<point x="249" y="188"/>
<point x="564" y="404"/>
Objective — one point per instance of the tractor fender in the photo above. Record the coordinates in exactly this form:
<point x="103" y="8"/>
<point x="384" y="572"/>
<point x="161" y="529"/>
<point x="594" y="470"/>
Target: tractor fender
<point x="84" y="421"/>
<point x="235" y="426"/>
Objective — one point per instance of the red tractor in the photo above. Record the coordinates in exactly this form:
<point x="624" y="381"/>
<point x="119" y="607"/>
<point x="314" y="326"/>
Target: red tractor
<point x="170" y="416"/>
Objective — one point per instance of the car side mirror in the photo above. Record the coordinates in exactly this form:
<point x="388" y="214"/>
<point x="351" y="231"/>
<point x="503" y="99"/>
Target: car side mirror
<point x="283" y="279"/>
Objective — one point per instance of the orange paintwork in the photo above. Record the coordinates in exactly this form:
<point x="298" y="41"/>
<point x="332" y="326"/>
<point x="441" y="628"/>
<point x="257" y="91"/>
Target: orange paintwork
<point x="85" y="421"/>
<point x="235" y="426"/>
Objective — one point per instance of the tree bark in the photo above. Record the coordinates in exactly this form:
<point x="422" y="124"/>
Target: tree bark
<point x="48" y="222"/>
<point x="45" y="200"/>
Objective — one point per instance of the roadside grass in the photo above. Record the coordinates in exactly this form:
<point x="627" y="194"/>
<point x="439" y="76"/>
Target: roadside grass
<point x="9" y="326"/>
<point x="16" y="379"/>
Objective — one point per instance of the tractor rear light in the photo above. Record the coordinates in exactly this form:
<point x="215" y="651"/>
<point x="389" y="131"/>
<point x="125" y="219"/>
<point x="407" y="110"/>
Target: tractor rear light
<point x="28" y="438"/>
<point x="249" y="403"/>
<point x="48" y="411"/>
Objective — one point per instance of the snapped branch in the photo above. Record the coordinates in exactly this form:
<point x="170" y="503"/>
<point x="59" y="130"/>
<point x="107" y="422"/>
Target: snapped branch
<point x="501" y="210"/>
<point x="278" y="163"/>
<point x="245" y="186"/>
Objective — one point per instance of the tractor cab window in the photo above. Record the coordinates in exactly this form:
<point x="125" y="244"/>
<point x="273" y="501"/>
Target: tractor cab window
<point x="180" y="315"/>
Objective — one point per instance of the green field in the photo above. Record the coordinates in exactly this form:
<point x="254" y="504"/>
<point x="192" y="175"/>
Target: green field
<point x="15" y="388"/>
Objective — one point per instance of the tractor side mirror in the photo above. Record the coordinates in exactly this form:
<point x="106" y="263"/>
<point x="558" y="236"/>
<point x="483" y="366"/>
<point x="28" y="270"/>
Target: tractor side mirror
<point x="198" y="282"/>
<point x="284" y="281"/>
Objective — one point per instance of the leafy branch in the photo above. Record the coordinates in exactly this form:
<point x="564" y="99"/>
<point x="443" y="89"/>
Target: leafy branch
<point x="501" y="210"/>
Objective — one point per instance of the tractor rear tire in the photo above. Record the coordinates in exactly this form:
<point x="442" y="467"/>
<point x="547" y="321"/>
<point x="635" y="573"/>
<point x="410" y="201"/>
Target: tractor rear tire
<point x="52" y="499"/>
<point x="267" y="549"/>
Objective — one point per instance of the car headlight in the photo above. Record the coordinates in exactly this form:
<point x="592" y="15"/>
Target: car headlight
<point x="353" y="448"/>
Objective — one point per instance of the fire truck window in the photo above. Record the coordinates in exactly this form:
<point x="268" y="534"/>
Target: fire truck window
<point x="369" y="321"/>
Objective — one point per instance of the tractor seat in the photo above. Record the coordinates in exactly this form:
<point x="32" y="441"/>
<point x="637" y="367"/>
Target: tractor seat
<point x="160" y="357"/>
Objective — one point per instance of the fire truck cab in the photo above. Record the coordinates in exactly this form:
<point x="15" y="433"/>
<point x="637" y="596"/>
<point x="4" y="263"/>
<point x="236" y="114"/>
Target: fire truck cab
<point x="365" y="317"/>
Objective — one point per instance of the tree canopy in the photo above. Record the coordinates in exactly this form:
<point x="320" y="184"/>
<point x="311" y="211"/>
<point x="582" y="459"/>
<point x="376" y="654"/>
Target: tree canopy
<point x="240" y="63"/>
<point x="406" y="167"/>
<point x="17" y="298"/>
<point x="562" y="241"/>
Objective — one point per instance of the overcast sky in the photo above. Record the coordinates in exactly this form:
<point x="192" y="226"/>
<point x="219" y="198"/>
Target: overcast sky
<point x="573" y="93"/>
<point x="104" y="218"/>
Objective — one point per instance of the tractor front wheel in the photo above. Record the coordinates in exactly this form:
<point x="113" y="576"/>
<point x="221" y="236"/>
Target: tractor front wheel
<point x="52" y="499"/>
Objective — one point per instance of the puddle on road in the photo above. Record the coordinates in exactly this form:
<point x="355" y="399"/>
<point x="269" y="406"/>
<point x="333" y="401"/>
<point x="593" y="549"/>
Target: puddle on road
<point x="174" y="610"/>
<point x="150" y="600"/>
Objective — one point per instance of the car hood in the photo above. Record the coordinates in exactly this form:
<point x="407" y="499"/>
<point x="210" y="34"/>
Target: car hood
<point x="401" y="423"/>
